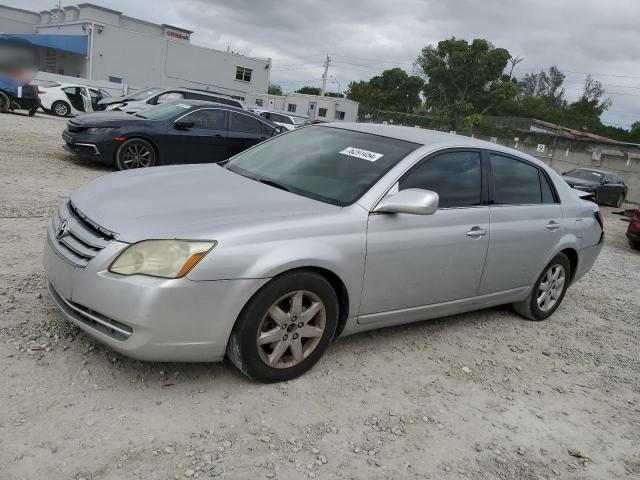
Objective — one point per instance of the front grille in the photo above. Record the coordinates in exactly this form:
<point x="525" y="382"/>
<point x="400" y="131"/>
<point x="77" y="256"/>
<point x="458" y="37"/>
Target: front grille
<point x="82" y="238"/>
<point x="108" y="326"/>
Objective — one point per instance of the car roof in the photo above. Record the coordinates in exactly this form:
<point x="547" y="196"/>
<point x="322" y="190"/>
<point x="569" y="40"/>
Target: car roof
<point x="426" y="137"/>
<point x="593" y="170"/>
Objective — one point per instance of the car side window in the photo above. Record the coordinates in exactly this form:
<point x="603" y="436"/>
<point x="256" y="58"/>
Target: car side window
<point x="209" y="119"/>
<point x="514" y="182"/>
<point x="455" y="176"/>
<point x="609" y="179"/>
<point x="170" y="97"/>
<point x="245" y="124"/>
<point x="547" y="190"/>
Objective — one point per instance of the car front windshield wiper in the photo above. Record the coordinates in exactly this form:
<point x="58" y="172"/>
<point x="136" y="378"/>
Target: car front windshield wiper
<point x="271" y="183"/>
<point x="138" y="115"/>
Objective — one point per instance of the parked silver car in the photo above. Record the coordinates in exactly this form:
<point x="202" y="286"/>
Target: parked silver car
<point x="324" y="231"/>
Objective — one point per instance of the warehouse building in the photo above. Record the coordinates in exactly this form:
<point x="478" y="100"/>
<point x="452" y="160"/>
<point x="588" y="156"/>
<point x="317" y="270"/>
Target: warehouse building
<point x="314" y="107"/>
<point x="96" y="43"/>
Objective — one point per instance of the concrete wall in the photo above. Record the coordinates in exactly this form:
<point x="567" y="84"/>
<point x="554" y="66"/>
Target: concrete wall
<point x="15" y="20"/>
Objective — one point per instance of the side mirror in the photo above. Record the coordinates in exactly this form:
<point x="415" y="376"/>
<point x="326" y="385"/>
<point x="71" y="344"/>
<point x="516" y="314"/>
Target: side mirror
<point x="564" y="173"/>
<point x="183" y="125"/>
<point x="414" y="201"/>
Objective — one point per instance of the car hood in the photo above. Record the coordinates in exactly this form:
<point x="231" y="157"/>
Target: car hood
<point x="196" y="202"/>
<point x="110" y="100"/>
<point x="107" y="119"/>
<point x="573" y="181"/>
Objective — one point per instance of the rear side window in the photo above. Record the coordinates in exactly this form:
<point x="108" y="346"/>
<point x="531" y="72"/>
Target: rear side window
<point x="455" y="176"/>
<point x="547" y="191"/>
<point x="245" y="124"/>
<point x="515" y="182"/>
<point x="209" y="119"/>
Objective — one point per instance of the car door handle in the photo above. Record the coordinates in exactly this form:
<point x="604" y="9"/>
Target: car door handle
<point x="476" y="232"/>
<point x="553" y="226"/>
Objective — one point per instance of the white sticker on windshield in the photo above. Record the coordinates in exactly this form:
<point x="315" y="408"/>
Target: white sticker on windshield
<point x="182" y="105"/>
<point x="363" y="154"/>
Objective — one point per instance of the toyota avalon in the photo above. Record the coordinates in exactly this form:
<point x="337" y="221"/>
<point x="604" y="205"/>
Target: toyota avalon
<point x="324" y="231"/>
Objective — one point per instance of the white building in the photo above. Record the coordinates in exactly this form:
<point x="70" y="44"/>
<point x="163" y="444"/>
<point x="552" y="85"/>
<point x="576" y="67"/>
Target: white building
<point x="102" y="44"/>
<point x="314" y="107"/>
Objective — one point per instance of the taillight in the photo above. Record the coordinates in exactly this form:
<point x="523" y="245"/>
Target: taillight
<point x="41" y="92"/>
<point x="599" y="218"/>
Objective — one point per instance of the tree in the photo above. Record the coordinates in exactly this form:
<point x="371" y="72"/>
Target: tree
<point x="309" y="90"/>
<point x="399" y="91"/>
<point x="274" y="90"/>
<point x="464" y="78"/>
<point x="369" y="97"/>
<point x="585" y="112"/>
<point x="543" y="84"/>
<point x="334" y="94"/>
<point x="393" y="89"/>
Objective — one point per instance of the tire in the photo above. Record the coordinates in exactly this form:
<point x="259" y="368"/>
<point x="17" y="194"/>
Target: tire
<point x="635" y="245"/>
<point x="135" y="153"/>
<point x="60" y="108"/>
<point x="531" y="307"/>
<point x="5" y="103"/>
<point x="619" y="200"/>
<point x="290" y="345"/>
<point x="33" y="111"/>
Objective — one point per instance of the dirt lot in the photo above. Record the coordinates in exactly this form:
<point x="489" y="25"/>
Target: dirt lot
<point x="481" y="395"/>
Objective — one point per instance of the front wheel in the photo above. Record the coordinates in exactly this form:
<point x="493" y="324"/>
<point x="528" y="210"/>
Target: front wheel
<point x="285" y="328"/>
<point x="548" y="291"/>
<point x="135" y="153"/>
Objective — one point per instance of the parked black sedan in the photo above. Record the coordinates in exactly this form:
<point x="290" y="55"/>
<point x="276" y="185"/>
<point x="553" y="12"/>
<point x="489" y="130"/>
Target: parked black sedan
<point x="188" y="131"/>
<point x="607" y="188"/>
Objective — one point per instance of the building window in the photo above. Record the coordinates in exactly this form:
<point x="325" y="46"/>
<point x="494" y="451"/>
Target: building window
<point x="243" y="74"/>
<point x="291" y="107"/>
<point x="322" y="112"/>
<point x="259" y="102"/>
<point x="339" y="115"/>
<point x="115" y="79"/>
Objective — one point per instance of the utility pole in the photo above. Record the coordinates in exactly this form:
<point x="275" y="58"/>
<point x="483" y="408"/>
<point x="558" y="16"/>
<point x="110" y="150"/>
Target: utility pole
<point x="327" y="62"/>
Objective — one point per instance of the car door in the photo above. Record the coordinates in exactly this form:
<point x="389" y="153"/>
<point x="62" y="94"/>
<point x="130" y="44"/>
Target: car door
<point x="526" y="224"/>
<point x="244" y="132"/>
<point x="610" y="189"/>
<point x="205" y="141"/>
<point x="75" y="97"/>
<point x="419" y="260"/>
<point x="94" y="97"/>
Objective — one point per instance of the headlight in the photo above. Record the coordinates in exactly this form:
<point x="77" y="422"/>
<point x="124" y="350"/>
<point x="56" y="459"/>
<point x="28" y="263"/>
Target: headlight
<point x="113" y="106"/>
<point x="161" y="258"/>
<point x="96" y="130"/>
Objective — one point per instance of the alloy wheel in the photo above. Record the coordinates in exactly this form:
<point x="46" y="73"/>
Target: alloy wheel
<point x="61" y="109"/>
<point x="551" y="287"/>
<point x="291" y="329"/>
<point x="619" y="200"/>
<point x="136" y="155"/>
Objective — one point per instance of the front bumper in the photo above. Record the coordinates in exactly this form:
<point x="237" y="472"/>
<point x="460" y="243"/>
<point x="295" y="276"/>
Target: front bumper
<point x="90" y="147"/>
<point x="143" y="317"/>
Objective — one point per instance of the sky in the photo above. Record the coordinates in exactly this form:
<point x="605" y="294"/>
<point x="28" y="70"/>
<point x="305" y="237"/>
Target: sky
<point x="364" y="37"/>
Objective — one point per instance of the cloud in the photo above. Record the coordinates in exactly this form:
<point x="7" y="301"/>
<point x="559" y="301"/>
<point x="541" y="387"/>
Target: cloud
<point x="364" y="37"/>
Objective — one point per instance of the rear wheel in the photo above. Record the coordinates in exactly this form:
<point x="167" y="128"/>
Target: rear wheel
<point x="5" y="103"/>
<point x="633" y="244"/>
<point x="60" y="108"/>
<point x="548" y="291"/>
<point x="135" y="153"/>
<point x="285" y="328"/>
<point x="619" y="200"/>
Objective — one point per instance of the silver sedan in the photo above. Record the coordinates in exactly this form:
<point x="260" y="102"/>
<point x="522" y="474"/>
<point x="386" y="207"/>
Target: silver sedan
<point x="327" y="230"/>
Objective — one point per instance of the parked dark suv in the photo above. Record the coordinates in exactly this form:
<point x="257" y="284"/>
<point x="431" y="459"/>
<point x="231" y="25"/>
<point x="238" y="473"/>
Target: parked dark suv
<point x="188" y="131"/>
<point x="607" y="188"/>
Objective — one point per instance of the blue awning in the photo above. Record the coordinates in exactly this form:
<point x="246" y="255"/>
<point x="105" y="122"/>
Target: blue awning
<point x="68" y="43"/>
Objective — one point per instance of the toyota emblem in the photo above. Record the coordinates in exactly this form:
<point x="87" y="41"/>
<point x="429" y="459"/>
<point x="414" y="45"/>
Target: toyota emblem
<point x="62" y="229"/>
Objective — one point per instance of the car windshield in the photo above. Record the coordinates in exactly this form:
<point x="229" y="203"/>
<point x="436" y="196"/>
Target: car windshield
<point x="333" y="165"/>
<point x="164" y="111"/>
<point x="142" y="94"/>
<point x="586" y="175"/>
<point x="299" y="120"/>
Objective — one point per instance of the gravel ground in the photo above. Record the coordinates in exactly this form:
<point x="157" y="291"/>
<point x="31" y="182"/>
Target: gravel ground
<point x="485" y="395"/>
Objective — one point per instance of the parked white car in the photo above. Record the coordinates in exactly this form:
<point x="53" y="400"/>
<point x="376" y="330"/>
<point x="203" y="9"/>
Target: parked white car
<point x="290" y="122"/>
<point x="65" y="99"/>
